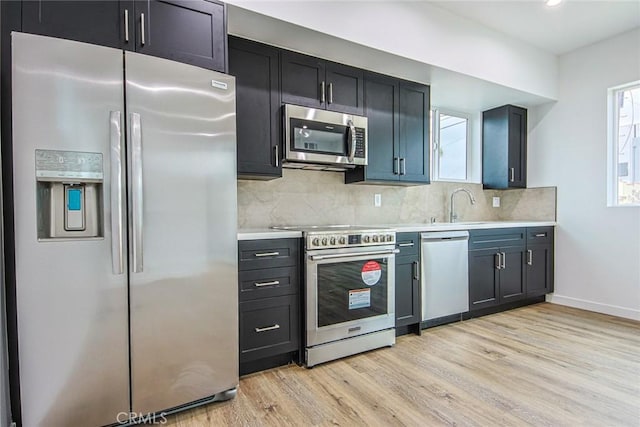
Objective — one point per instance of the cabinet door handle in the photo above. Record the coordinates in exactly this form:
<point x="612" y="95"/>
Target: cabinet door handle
<point x="512" y="174"/>
<point x="126" y="25"/>
<point x="268" y="328"/>
<point x="262" y="254"/>
<point x="504" y="260"/>
<point x="322" y="91"/>
<point x="142" y="29"/>
<point x="405" y="245"/>
<point x="271" y="283"/>
<point x="396" y="165"/>
<point x="403" y="166"/>
<point x="529" y="257"/>
<point x="498" y="261"/>
<point x="416" y="270"/>
<point x="330" y="93"/>
<point x="276" y="155"/>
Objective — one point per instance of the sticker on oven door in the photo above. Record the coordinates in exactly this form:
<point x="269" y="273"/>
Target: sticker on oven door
<point x="359" y="298"/>
<point x="371" y="273"/>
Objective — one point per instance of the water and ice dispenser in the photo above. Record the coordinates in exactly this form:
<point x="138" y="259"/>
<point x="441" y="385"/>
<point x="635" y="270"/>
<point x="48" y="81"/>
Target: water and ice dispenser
<point x="69" y="194"/>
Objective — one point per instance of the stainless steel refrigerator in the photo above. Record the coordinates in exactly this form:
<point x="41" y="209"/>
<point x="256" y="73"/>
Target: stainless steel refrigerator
<point x="125" y="233"/>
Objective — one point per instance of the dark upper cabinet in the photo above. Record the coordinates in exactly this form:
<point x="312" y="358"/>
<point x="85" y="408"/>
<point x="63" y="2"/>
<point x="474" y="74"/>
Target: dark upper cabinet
<point x="106" y="23"/>
<point x="408" y="299"/>
<point x="186" y="31"/>
<point x="504" y="147"/>
<point x="256" y="68"/>
<point x="398" y="139"/>
<point x="192" y="32"/>
<point x="316" y="83"/>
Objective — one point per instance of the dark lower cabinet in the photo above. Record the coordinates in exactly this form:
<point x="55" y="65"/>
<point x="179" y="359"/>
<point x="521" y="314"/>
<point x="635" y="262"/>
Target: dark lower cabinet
<point x="269" y="310"/>
<point x="189" y="31"/>
<point x="408" y="295"/>
<point x="256" y="68"/>
<point x="509" y="265"/>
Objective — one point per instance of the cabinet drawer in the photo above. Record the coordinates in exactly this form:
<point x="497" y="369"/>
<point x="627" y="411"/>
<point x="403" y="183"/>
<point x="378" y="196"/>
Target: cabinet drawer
<point x="268" y="327"/>
<point x="256" y="254"/>
<point x="407" y="244"/>
<point x="496" y="238"/>
<point x="269" y="282"/>
<point x="537" y="235"/>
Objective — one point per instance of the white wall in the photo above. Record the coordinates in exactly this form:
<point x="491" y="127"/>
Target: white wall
<point x="597" y="248"/>
<point x="421" y="32"/>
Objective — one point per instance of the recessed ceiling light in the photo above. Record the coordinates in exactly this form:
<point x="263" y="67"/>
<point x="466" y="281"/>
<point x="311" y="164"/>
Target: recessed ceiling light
<point x="552" y="3"/>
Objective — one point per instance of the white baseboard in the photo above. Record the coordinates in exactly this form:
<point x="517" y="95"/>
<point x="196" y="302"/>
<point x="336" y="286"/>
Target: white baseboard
<point x="613" y="310"/>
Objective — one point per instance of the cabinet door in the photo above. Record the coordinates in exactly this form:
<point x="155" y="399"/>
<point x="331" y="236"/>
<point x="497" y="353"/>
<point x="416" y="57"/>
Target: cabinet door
<point x="303" y="80"/>
<point x="344" y="91"/>
<point x="407" y="291"/>
<point x="483" y="278"/>
<point x="381" y="109"/>
<point x="186" y="31"/>
<point x="103" y="23"/>
<point x="517" y="147"/>
<point x="414" y="132"/>
<point x="512" y="280"/>
<point x="539" y="270"/>
<point x="256" y="68"/>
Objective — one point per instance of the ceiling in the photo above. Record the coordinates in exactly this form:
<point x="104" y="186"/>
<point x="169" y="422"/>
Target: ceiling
<point x="560" y="29"/>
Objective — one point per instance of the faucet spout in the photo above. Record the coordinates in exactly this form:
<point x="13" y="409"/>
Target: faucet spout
<point x="452" y="213"/>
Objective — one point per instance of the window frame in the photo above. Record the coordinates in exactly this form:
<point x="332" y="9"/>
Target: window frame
<point x="612" y="144"/>
<point x="434" y="141"/>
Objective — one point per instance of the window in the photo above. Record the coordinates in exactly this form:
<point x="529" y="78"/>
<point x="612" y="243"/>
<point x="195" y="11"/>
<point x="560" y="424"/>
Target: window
<point x="450" y="144"/>
<point x="624" y="145"/>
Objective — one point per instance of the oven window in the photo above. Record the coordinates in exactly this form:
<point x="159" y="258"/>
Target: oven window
<point x="316" y="137"/>
<point x="351" y="290"/>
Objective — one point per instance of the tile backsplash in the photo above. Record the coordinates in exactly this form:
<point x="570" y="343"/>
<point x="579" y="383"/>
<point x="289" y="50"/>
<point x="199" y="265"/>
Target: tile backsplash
<point x="320" y="198"/>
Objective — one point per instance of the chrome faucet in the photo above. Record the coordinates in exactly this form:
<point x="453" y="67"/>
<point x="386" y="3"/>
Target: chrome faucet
<point x="452" y="214"/>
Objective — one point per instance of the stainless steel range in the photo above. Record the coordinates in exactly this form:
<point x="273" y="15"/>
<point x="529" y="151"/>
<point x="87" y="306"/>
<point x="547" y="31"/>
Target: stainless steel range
<point x="350" y="288"/>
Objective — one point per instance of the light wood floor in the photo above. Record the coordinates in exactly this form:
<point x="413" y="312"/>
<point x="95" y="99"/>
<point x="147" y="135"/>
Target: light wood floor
<point x="542" y="365"/>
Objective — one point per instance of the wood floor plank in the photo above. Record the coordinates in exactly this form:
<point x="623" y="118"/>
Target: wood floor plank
<point x="541" y="365"/>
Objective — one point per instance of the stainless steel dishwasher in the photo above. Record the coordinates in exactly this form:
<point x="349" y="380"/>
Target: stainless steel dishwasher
<point x="445" y="273"/>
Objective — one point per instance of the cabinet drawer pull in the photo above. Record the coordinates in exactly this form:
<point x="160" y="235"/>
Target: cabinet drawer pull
<point x="126" y="25"/>
<point x="541" y="235"/>
<point x="268" y="328"/>
<point x="271" y="283"/>
<point x="512" y="178"/>
<point x="529" y="257"/>
<point x="404" y="245"/>
<point x="262" y="254"/>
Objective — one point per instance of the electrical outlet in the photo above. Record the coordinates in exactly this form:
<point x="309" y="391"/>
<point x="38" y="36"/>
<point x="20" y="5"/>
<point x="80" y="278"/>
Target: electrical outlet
<point x="496" y="202"/>
<point x="377" y="200"/>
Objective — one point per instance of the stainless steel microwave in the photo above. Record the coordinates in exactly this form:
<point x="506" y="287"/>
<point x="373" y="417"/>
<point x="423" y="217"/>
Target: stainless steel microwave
<point x="333" y="141"/>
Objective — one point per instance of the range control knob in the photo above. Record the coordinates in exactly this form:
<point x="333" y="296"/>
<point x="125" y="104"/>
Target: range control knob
<point x="375" y="238"/>
<point x="366" y="239"/>
<point x="332" y="241"/>
<point x="315" y="242"/>
<point x="324" y="241"/>
<point x="343" y="240"/>
<point x="389" y="237"/>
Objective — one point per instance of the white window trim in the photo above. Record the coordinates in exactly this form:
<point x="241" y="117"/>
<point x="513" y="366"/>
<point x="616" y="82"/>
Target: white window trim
<point x="435" y="134"/>
<point x="612" y="154"/>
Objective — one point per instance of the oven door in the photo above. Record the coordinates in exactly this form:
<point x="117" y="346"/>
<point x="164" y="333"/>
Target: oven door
<point x="349" y="292"/>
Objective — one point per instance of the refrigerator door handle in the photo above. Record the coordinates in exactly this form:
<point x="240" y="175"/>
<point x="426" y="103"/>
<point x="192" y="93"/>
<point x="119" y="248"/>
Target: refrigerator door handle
<point x="117" y="230"/>
<point x="136" y="192"/>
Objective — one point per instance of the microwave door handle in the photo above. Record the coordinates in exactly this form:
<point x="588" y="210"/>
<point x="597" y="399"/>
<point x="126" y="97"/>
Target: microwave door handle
<point x="351" y="137"/>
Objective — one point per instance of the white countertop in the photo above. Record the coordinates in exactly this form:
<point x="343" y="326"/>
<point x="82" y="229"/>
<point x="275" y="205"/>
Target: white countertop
<point x="268" y="233"/>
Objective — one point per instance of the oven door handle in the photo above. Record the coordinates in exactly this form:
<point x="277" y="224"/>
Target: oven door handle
<point x="352" y="255"/>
